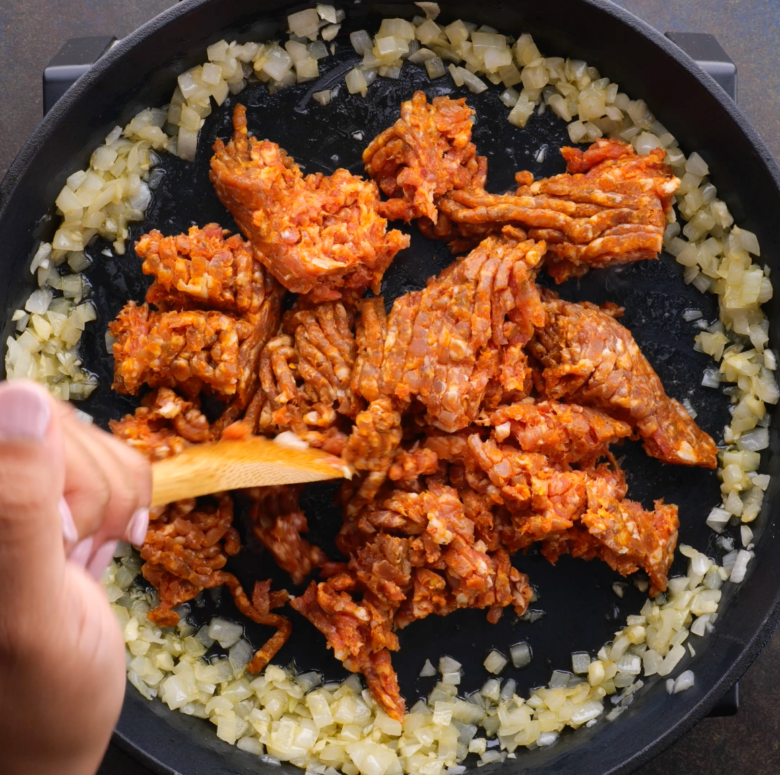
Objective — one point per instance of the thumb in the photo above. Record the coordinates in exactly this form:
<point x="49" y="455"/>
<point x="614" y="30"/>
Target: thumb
<point x="32" y="479"/>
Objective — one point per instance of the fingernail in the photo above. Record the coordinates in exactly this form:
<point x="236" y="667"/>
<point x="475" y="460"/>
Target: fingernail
<point x="81" y="552"/>
<point x="69" y="531"/>
<point x="24" y="412"/>
<point x="102" y="558"/>
<point x="137" y="527"/>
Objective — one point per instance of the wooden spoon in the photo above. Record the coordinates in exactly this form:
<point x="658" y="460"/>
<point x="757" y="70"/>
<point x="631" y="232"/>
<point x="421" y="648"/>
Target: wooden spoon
<point x="232" y="465"/>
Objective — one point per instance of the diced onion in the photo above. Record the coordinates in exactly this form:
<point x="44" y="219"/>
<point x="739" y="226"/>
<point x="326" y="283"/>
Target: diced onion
<point x="739" y="569"/>
<point x="521" y="654"/>
<point x="580" y="661"/>
<point x="495" y="662"/>
<point x="356" y="82"/>
<point x="435" y="68"/>
<point x="361" y="41"/>
<point x="305" y="24"/>
<point x="684" y="682"/>
<point x="428" y="669"/>
<point x="449" y="665"/>
<point x="224" y="632"/>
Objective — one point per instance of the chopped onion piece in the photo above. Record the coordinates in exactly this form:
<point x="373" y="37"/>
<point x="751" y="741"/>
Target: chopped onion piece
<point x="38" y="302"/>
<point x="495" y="662"/>
<point x="684" y="682"/>
<point x="224" y="632"/>
<point x="739" y="569"/>
<point x="305" y="24"/>
<point x="361" y="42"/>
<point x="521" y="654"/>
<point x="329" y="33"/>
<point x="428" y="669"/>
<point x="580" y="662"/>
<point x="187" y="144"/>
<point x="696" y="165"/>
<point x="435" y="68"/>
<point x="449" y="665"/>
<point x="473" y="84"/>
<point x="356" y="82"/>
<point x="327" y="13"/>
<point x="431" y="10"/>
<point x="755" y="440"/>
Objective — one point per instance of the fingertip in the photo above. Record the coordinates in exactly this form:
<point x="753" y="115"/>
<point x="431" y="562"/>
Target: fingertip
<point x="137" y="527"/>
<point x="70" y="533"/>
<point x="81" y="552"/>
<point x="25" y="411"/>
<point x="101" y="560"/>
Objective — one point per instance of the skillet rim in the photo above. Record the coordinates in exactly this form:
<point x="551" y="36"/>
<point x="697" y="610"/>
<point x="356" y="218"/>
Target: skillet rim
<point x="48" y="127"/>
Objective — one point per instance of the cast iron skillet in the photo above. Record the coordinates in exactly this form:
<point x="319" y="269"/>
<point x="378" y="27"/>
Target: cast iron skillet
<point x="582" y="611"/>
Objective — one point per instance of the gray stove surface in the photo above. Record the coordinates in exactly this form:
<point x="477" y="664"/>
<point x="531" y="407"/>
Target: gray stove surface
<point x="31" y="33"/>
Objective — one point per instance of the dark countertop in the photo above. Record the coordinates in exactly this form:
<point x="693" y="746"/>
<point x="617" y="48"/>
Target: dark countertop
<point x="31" y="33"/>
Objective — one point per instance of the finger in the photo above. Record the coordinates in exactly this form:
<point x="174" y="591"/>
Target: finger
<point x="137" y="474"/>
<point x="108" y="487"/>
<point x="87" y="487"/>
<point x="32" y="476"/>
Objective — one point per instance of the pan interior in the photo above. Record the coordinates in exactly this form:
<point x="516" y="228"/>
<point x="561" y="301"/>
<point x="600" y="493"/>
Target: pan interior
<point x="581" y="610"/>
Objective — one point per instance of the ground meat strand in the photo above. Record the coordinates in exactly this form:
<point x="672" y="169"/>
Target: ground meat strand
<point x="370" y="340"/>
<point x="188" y="543"/>
<point x="614" y="214"/>
<point x="326" y="354"/>
<point x="185" y="550"/>
<point x="278" y="523"/>
<point x="425" y="154"/>
<point x="318" y="235"/>
<point x="360" y="635"/>
<point x="590" y="359"/>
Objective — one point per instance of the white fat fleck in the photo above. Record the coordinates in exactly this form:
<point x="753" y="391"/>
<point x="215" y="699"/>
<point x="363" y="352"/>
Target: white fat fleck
<point x="290" y="440"/>
<point x="502" y="431"/>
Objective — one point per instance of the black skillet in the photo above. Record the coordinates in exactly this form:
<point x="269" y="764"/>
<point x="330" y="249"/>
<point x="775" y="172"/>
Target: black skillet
<point x="581" y="609"/>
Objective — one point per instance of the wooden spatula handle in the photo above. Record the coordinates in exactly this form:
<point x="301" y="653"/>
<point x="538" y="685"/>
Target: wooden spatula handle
<point x="232" y="465"/>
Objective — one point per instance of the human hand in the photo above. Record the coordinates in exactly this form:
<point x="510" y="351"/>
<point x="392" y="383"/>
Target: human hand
<point x="68" y="492"/>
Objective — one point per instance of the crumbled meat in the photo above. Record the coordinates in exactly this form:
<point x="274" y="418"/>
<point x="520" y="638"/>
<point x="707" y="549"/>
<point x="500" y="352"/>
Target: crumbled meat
<point x="414" y="463"/>
<point x="186" y="350"/>
<point x="326" y="349"/>
<point x="441" y="344"/>
<point x="425" y="154"/>
<point x="360" y="635"/>
<point x="319" y="235"/>
<point x="375" y="437"/>
<point x="163" y="425"/>
<point x="204" y="269"/>
<point x="564" y="432"/>
<point x="625" y="536"/>
<point x="590" y="359"/>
